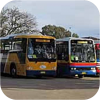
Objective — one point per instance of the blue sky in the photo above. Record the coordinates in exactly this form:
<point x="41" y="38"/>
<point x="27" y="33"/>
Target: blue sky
<point x="82" y="16"/>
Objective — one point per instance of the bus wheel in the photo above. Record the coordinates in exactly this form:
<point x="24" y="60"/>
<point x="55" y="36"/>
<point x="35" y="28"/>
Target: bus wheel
<point x="13" y="71"/>
<point x="80" y="76"/>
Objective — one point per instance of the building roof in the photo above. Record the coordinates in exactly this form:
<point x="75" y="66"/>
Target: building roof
<point x="71" y="38"/>
<point x="94" y="38"/>
<point x="97" y="41"/>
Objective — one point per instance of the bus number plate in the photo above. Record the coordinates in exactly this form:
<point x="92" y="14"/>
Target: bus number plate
<point x="42" y="72"/>
<point x="83" y="72"/>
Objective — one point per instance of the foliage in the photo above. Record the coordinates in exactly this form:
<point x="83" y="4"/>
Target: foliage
<point x="57" y="32"/>
<point x="75" y="35"/>
<point x="13" y="21"/>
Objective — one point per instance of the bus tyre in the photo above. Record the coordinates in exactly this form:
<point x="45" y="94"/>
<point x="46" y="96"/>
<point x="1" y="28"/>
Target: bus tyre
<point x="13" y="71"/>
<point x="80" y="76"/>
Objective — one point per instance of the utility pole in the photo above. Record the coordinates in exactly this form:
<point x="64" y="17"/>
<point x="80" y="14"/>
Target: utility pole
<point x="70" y="31"/>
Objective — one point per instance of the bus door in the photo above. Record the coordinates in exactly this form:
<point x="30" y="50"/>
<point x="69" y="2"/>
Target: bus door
<point x="19" y="48"/>
<point x="63" y="58"/>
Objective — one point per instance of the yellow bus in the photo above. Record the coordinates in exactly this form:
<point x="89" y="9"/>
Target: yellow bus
<point x="28" y="55"/>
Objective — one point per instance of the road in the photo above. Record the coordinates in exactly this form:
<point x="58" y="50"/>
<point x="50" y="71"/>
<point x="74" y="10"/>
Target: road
<point x="49" y="88"/>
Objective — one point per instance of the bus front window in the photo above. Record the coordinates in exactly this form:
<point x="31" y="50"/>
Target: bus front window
<point x="82" y="52"/>
<point x="41" y="50"/>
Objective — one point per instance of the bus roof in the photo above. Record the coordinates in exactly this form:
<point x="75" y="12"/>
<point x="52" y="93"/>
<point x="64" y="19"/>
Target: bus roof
<point x="34" y="35"/>
<point x="71" y="38"/>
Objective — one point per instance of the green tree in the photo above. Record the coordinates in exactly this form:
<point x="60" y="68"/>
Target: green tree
<point x="56" y="31"/>
<point x="75" y="35"/>
<point x="13" y="21"/>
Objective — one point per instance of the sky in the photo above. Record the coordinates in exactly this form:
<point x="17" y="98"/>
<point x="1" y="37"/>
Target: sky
<point x="82" y="16"/>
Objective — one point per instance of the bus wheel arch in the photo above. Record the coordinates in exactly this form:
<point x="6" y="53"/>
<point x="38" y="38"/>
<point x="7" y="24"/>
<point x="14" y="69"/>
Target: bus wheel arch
<point x="13" y="70"/>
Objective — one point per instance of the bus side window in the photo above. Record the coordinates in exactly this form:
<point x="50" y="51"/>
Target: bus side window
<point x="5" y="46"/>
<point x="62" y="51"/>
<point x="17" y="44"/>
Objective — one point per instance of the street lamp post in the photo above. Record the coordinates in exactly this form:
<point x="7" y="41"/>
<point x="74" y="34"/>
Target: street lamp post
<point x="70" y="31"/>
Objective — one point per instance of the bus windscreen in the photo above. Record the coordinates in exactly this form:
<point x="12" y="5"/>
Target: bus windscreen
<point x="82" y="51"/>
<point x="41" y="50"/>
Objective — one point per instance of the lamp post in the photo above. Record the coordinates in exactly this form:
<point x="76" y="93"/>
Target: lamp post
<point x="70" y="31"/>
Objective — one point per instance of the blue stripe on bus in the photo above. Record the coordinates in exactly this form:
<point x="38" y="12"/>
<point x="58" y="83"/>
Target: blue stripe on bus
<point x="83" y="66"/>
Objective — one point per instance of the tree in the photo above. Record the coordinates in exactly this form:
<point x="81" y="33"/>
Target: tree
<point x="75" y="35"/>
<point x="57" y="32"/>
<point x="13" y="21"/>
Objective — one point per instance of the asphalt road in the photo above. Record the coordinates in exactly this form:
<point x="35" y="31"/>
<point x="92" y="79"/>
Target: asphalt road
<point x="50" y="83"/>
<point x="49" y="88"/>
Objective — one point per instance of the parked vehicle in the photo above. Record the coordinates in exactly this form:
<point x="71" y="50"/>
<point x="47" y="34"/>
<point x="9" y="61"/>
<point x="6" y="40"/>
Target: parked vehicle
<point x="75" y="57"/>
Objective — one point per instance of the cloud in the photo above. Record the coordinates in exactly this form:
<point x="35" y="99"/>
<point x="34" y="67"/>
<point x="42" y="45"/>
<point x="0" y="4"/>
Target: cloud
<point x="81" y="16"/>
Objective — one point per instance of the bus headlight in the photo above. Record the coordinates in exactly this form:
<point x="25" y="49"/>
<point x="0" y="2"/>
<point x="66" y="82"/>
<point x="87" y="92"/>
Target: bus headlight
<point x="72" y="68"/>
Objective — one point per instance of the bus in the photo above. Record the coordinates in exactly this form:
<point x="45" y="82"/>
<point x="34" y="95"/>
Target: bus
<point x="28" y="55"/>
<point x="75" y="57"/>
<point x="97" y="48"/>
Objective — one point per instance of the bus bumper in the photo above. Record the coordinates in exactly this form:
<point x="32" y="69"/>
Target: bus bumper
<point x="31" y="73"/>
<point x="83" y="72"/>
